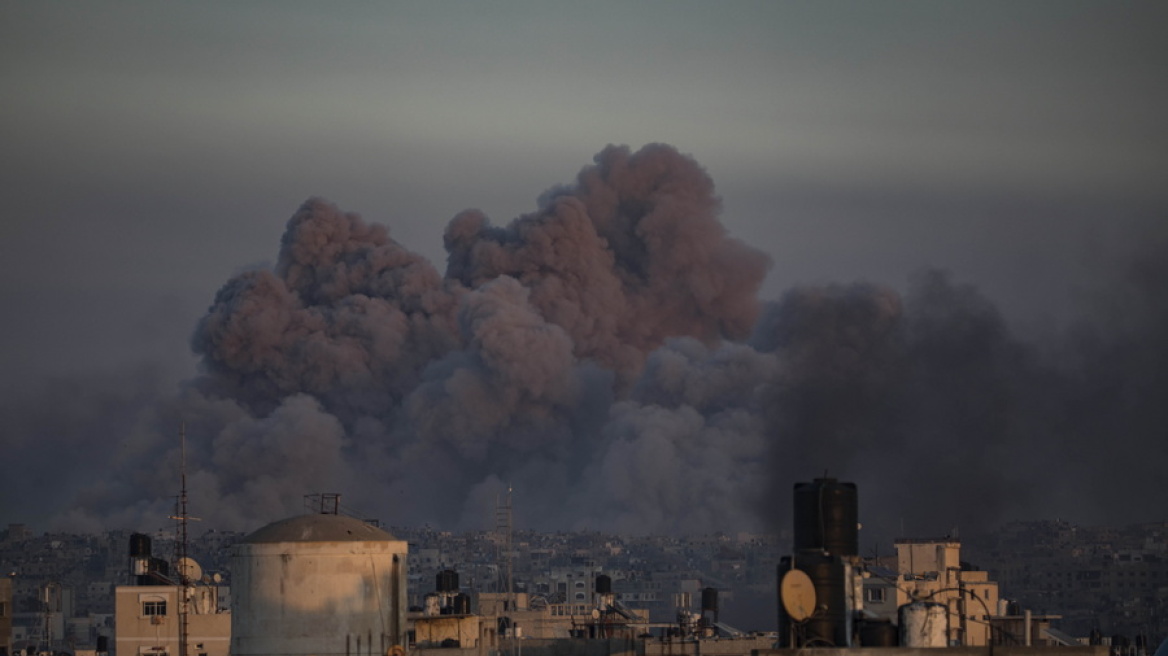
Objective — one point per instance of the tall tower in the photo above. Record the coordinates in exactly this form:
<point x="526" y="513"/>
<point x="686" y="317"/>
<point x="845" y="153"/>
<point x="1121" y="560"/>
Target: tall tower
<point x="504" y="528"/>
<point x="183" y="565"/>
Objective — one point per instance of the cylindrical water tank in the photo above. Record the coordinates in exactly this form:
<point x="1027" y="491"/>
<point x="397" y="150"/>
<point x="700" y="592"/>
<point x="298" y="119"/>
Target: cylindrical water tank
<point x="157" y="571"/>
<point x="432" y="605"/>
<point x="603" y="584"/>
<point x="139" y="545"/>
<point x="710" y="599"/>
<point x="828" y="626"/>
<point x="462" y="604"/>
<point x="447" y="581"/>
<point x="827" y="517"/>
<point x="326" y="585"/>
<point x="924" y="624"/>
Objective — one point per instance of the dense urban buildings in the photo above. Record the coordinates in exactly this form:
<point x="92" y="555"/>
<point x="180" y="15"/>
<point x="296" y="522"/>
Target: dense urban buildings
<point x="1110" y="582"/>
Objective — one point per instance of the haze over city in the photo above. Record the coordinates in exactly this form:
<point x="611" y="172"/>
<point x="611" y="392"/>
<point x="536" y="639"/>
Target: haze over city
<point x="647" y="265"/>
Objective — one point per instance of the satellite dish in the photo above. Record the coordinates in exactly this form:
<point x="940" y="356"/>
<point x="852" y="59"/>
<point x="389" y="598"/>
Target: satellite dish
<point x="798" y="595"/>
<point x="189" y="569"/>
<point x="217" y="577"/>
<point x="595" y="613"/>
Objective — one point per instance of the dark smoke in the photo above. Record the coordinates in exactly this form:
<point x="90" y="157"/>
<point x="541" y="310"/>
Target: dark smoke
<point x="949" y="422"/>
<point x="606" y="356"/>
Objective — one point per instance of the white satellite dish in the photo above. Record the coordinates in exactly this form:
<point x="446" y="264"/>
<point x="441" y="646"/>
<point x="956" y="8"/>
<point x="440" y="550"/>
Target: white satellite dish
<point x="798" y="594"/>
<point x="189" y="569"/>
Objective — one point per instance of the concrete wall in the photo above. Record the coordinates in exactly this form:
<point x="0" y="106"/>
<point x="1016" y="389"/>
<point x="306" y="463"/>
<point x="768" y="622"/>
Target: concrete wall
<point x="710" y="647"/>
<point x="135" y="633"/>
<point x="925" y="556"/>
<point x="600" y="647"/>
<point x="527" y="647"/>
<point x="946" y="651"/>
<point x="433" y="631"/>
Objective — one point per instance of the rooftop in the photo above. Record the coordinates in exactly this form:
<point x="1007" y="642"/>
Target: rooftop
<point x="319" y="528"/>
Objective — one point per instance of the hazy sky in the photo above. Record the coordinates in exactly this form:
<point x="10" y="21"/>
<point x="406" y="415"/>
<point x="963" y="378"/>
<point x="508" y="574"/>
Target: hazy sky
<point x="150" y="151"/>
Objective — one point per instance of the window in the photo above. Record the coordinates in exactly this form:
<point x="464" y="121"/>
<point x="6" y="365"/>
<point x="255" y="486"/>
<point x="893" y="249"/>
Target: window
<point x="153" y="607"/>
<point x="874" y="595"/>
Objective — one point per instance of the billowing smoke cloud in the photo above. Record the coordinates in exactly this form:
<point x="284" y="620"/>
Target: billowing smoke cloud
<point x="354" y="364"/>
<point x="920" y="400"/>
<point x="629" y="256"/>
<point x="947" y="421"/>
<point x="607" y="358"/>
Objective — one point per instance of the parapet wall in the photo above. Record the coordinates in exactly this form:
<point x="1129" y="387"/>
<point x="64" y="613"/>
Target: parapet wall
<point x="939" y="651"/>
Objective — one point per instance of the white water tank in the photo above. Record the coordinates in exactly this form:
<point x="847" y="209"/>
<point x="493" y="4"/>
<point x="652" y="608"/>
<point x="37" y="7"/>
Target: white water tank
<point x="924" y="624"/>
<point x="326" y="585"/>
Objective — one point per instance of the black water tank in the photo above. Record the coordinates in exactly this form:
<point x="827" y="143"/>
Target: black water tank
<point x="447" y="581"/>
<point x="826" y="572"/>
<point x="462" y="604"/>
<point x="827" y="517"/>
<point x="139" y="545"/>
<point x="603" y="584"/>
<point x="828" y="627"/>
<point x="710" y="599"/>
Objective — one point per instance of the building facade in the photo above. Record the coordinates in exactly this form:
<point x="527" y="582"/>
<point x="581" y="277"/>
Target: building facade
<point x="149" y="621"/>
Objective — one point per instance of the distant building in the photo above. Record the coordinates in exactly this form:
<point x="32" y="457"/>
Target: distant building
<point x="931" y="570"/>
<point x="16" y="533"/>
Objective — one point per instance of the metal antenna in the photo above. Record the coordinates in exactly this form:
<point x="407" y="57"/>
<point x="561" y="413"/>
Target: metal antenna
<point x="503" y="525"/>
<point x="184" y="578"/>
<point x="510" y="563"/>
<point x="182" y="563"/>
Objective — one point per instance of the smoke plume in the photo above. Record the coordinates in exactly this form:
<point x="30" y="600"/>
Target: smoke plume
<point x="607" y="358"/>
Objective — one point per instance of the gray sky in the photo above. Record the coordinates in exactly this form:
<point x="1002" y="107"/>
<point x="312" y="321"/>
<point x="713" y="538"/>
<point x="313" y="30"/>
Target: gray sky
<point x="150" y="151"/>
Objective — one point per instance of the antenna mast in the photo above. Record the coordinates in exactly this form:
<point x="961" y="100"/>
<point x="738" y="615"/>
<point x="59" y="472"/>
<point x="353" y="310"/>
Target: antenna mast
<point x="182" y="564"/>
<point x="503" y="523"/>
